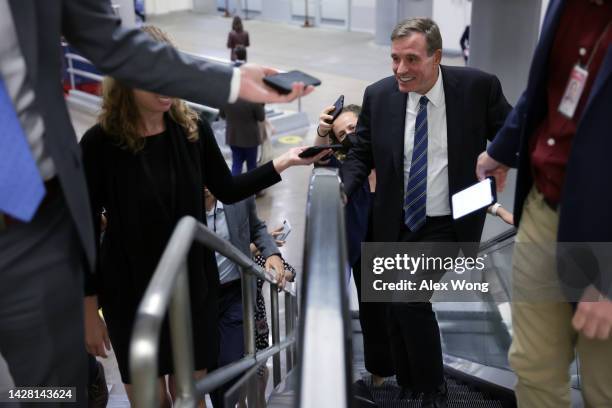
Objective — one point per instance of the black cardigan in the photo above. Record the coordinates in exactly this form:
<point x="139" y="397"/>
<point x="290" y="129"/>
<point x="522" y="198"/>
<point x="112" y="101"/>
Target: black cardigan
<point x="118" y="182"/>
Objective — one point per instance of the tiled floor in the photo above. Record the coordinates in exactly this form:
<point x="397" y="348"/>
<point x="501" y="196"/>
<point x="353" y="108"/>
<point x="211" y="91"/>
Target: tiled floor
<point x="345" y="62"/>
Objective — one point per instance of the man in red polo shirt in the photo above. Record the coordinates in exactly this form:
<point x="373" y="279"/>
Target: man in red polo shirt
<point x="560" y="136"/>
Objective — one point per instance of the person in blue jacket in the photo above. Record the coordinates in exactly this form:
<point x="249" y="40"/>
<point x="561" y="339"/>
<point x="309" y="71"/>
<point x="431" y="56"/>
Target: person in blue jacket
<point x="559" y="136"/>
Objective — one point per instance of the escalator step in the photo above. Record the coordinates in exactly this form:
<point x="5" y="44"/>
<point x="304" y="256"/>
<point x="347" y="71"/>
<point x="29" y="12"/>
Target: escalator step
<point x="459" y="396"/>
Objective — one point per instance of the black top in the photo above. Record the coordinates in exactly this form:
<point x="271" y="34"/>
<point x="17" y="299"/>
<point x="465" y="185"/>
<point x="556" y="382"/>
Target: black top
<point x="133" y="188"/>
<point x="157" y="159"/>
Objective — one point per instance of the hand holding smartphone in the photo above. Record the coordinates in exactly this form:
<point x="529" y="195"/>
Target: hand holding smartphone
<point x="314" y="150"/>
<point x="283" y="82"/>
<point x="338" y="105"/>
<point x="284" y="232"/>
<point x="474" y="198"/>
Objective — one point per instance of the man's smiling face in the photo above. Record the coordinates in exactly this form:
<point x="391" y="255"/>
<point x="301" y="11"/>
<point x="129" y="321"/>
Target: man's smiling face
<point x="414" y="69"/>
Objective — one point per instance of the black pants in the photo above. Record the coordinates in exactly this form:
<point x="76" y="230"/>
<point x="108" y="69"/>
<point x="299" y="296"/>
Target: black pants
<point x="415" y="335"/>
<point x="231" y="335"/>
<point x="376" y="339"/>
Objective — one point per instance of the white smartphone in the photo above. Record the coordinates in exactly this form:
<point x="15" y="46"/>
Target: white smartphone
<point x="473" y="198"/>
<point x="285" y="231"/>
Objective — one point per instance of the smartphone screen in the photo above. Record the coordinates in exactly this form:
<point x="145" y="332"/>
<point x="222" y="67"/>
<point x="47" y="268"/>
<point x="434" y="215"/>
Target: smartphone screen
<point x="285" y="232"/>
<point x="474" y="198"/>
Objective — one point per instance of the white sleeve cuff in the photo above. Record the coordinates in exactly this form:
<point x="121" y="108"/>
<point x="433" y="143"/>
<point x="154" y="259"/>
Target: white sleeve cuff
<point x="234" y="86"/>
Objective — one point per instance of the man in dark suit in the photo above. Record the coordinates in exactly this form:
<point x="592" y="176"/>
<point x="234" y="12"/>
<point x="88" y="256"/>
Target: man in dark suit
<point x="562" y="140"/>
<point x="422" y="130"/>
<point x="46" y="233"/>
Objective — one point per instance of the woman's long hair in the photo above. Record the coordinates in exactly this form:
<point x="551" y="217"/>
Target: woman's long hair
<point x="237" y="24"/>
<point x="120" y="116"/>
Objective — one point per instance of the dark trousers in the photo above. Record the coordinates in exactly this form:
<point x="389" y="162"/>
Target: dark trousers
<point x="376" y="338"/>
<point x="41" y="302"/>
<point x="242" y="154"/>
<point x="231" y="335"/>
<point x="415" y="335"/>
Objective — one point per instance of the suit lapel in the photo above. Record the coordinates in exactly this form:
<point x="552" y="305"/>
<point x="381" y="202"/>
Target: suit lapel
<point x="454" y="100"/>
<point x="230" y="219"/>
<point x="397" y="107"/>
<point x="24" y="19"/>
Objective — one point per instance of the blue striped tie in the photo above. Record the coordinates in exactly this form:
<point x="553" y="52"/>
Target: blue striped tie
<point x="416" y="189"/>
<point x="21" y="187"/>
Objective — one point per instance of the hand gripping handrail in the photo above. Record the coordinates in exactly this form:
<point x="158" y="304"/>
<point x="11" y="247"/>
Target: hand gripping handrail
<point x="169" y="286"/>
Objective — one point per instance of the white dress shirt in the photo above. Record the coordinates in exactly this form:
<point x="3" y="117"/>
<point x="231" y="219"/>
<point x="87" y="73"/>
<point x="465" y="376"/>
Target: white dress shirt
<point x="13" y="71"/>
<point x="437" y="147"/>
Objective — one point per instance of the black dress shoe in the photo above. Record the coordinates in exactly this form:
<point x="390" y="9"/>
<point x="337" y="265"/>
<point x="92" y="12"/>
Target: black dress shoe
<point x="436" y="399"/>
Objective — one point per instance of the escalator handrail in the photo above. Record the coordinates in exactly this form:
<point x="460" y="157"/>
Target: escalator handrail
<point x="324" y="360"/>
<point x="509" y="233"/>
<point x="169" y="285"/>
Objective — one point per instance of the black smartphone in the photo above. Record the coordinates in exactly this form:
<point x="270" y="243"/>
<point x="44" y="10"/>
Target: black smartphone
<point x="283" y="82"/>
<point x="474" y="198"/>
<point x="338" y="105"/>
<point x="314" y="150"/>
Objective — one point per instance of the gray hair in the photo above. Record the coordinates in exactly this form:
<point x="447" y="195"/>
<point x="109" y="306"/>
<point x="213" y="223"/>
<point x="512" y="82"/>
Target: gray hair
<point x="425" y="26"/>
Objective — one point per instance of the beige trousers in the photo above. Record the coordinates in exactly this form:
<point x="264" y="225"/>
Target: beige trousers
<point x="544" y="342"/>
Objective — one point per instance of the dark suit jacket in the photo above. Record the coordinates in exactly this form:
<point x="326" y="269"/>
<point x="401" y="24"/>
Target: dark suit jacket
<point x="586" y="198"/>
<point x="242" y="123"/>
<point x="128" y="55"/>
<point x="475" y="110"/>
<point x="244" y="227"/>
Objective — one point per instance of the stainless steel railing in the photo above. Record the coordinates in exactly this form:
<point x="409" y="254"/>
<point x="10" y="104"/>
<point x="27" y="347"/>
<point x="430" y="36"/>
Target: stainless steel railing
<point x="169" y="287"/>
<point x="324" y="359"/>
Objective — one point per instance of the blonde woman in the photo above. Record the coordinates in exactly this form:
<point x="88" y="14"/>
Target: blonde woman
<point x="146" y="162"/>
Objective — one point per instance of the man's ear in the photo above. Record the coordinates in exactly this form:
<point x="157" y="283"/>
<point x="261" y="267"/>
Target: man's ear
<point x="437" y="57"/>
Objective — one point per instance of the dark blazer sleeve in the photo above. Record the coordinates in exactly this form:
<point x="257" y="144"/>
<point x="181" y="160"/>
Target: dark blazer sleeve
<point x="506" y="144"/>
<point x="218" y="178"/>
<point x="359" y="161"/>
<point x="259" y="232"/>
<point x="93" y="165"/>
<point x="259" y="112"/>
<point x="498" y="108"/>
<point x="133" y="57"/>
